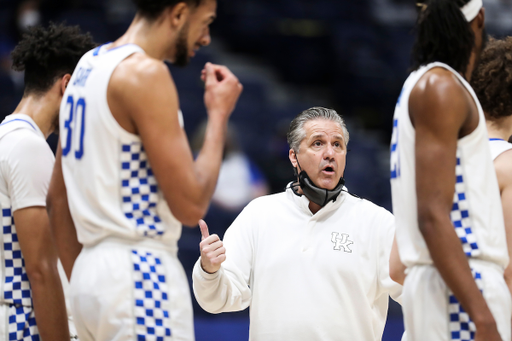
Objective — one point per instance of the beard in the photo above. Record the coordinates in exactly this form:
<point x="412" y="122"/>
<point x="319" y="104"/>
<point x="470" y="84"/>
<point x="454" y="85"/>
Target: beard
<point x="181" y="58"/>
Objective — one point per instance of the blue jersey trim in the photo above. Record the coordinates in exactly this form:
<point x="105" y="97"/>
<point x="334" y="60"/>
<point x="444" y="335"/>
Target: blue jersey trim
<point x="19" y="119"/>
<point x="496" y="140"/>
<point x="97" y="50"/>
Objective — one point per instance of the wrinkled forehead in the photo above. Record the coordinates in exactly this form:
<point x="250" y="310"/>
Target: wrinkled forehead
<point x="322" y="126"/>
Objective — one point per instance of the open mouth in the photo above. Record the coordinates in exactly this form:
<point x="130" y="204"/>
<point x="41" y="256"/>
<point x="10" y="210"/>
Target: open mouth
<point x="328" y="169"/>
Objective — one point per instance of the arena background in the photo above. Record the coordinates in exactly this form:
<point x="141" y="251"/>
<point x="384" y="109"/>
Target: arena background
<point x="350" y="55"/>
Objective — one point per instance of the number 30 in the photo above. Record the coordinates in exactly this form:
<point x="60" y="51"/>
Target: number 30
<point x="73" y="112"/>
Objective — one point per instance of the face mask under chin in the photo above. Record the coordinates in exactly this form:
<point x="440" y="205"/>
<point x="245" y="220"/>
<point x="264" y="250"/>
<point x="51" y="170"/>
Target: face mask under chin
<point x="319" y="196"/>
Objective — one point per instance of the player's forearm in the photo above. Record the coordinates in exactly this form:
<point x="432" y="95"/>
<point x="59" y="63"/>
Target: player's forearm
<point x="448" y="257"/>
<point x="207" y="166"/>
<point x="64" y="233"/>
<point x="49" y="305"/>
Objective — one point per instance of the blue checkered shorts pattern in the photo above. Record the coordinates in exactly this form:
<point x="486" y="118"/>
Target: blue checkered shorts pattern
<point x="461" y="326"/>
<point x="139" y="190"/>
<point x="460" y="215"/>
<point x="22" y="324"/>
<point x="152" y="318"/>
<point x="17" y="287"/>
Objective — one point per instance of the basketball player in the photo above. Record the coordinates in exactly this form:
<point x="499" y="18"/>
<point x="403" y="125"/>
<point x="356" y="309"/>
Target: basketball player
<point x="33" y="305"/>
<point x="312" y="262"/>
<point x="127" y="171"/>
<point x="450" y="229"/>
<point x="492" y="82"/>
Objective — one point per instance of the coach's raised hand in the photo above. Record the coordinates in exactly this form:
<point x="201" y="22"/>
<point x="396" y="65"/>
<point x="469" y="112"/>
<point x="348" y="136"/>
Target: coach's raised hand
<point x="212" y="249"/>
<point x="222" y="90"/>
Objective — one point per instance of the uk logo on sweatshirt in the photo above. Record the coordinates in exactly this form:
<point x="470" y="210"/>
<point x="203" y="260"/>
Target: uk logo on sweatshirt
<point x="341" y="242"/>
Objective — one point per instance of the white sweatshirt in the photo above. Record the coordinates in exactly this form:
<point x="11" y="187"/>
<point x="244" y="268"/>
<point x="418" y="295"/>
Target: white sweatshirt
<point x="306" y="277"/>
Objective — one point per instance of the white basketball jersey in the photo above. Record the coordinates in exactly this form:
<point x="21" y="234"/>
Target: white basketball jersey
<point x="111" y="189"/>
<point x="498" y="146"/>
<point x="476" y="212"/>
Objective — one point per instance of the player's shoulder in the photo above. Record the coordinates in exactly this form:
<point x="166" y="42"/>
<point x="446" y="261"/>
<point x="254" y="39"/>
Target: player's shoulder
<point x="24" y="138"/>
<point x="140" y="69"/>
<point x="503" y="165"/>
<point x="438" y="83"/>
<point x="137" y="77"/>
<point x="24" y="144"/>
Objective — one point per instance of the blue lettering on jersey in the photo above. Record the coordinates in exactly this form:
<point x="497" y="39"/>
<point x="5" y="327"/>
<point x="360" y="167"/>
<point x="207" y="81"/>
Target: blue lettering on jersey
<point x="81" y="77"/>
<point x="395" y="157"/>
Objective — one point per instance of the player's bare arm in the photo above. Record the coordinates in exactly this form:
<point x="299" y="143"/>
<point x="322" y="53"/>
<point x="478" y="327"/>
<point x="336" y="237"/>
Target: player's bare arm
<point x="143" y="99"/>
<point x="442" y="112"/>
<point x="503" y="165"/>
<point x="62" y="224"/>
<point x="33" y="229"/>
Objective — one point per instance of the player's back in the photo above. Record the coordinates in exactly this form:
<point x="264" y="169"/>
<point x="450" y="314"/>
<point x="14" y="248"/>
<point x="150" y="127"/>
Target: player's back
<point x="476" y="212"/>
<point x="112" y="192"/>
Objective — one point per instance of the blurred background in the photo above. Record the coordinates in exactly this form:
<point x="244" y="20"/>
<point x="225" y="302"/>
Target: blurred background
<point x="290" y="55"/>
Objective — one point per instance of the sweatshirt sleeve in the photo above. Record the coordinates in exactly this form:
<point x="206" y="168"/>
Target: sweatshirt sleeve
<point x="228" y="289"/>
<point x="386" y="235"/>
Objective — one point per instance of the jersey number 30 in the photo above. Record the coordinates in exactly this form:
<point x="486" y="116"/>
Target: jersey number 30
<point x="71" y="124"/>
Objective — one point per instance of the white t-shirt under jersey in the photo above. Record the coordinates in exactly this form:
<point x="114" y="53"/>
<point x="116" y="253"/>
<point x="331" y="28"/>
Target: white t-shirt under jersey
<point x="111" y="189"/>
<point x="476" y="213"/>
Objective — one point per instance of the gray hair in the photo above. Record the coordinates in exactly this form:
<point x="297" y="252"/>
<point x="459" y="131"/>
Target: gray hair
<point x="296" y="132"/>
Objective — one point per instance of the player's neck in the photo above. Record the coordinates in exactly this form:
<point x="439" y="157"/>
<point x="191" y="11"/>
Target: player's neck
<point x="152" y="37"/>
<point x="41" y="109"/>
<point x="500" y="129"/>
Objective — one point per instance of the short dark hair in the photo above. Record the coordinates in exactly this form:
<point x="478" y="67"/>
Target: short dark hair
<point x="443" y="35"/>
<point x="492" y="79"/>
<point x="152" y="9"/>
<point x="46" y="54"/>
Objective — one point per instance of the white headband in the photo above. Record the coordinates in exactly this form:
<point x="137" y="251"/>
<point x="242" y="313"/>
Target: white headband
<point x="471" y="9"/>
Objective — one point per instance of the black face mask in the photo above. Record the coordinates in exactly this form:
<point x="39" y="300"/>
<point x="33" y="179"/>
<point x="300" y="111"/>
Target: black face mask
<point x="319" y="196"/>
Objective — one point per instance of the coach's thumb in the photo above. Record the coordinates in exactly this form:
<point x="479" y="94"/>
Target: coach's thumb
<point x="204" y="229"/>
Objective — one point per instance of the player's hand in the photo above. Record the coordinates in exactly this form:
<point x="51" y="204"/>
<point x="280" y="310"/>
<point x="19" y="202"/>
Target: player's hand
<point x="212" y="249"/>
<point x="222" y="90"/>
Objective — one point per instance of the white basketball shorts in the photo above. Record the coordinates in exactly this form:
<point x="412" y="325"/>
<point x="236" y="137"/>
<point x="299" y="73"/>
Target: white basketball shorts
<point x="431" y="311"/>
<point x="120" y="291"/>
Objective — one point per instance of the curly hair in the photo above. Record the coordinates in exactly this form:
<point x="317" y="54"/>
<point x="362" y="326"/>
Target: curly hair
<point x="443" y="35"/>
<point x="492" y="79"/>
<point x="46" y="54"/>
<point x="152" y="9"/>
